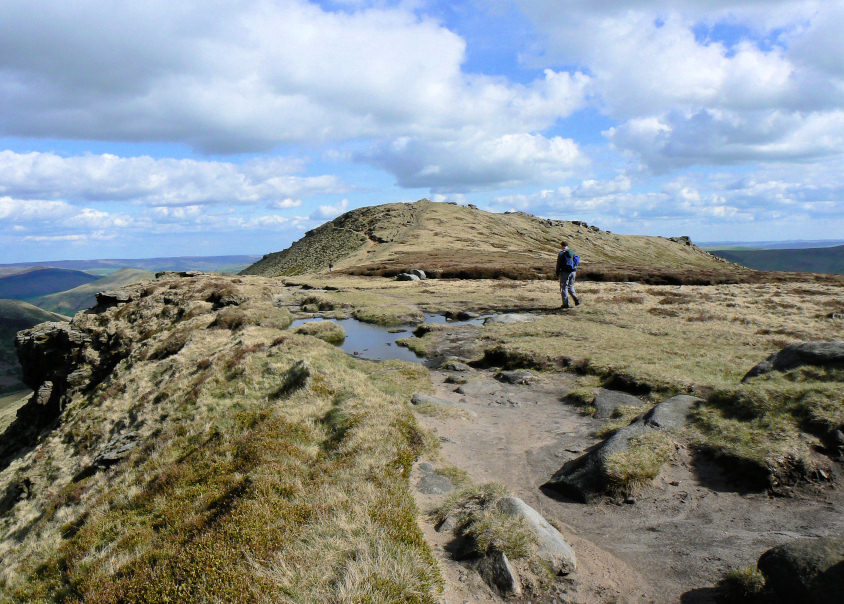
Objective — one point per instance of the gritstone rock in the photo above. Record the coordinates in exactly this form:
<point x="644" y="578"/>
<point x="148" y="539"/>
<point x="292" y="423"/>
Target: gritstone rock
<point x="583" y="479"/>
<point x="823" y="354"/>
<point x="419" y="273"/>
<point x="496" y="570"/>
<point x="407" y="277"/>
<point x="113" y="297"/>
<point x="807" y="570"/>
<point x="479" y="388"/>
<point x="425" y="399"/>
<point x="607" y="401"/>
<point x="518" y="376"/>
<point x="432" y="482"/>
<point x="452" y="365"/>
<point x="553" y="547"/>
<point x="510" y="318"/>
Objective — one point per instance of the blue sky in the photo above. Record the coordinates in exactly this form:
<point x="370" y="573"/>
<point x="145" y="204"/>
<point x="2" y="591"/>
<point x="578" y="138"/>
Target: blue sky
<point x="187" y="128"/>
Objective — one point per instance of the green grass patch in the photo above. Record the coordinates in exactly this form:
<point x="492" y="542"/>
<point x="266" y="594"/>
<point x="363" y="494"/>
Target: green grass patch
<point x="640" y="462"/>
<point x="327" y="331"/>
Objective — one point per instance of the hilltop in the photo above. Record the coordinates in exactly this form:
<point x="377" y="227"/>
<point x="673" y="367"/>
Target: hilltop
<point x="16" y="315"/>
<point x="84" y="296"/>
<point x="41" y="281"/>
<point x="449" y="240"/>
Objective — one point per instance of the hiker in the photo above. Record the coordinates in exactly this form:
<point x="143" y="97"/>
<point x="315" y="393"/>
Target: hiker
<point x="567" y="262"/>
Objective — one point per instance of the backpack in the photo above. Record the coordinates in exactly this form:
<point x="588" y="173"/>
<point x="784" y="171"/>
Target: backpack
<point x="572" y="260"/>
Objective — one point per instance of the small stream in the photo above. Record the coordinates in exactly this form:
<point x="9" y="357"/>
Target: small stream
<point x="378" y="343"/>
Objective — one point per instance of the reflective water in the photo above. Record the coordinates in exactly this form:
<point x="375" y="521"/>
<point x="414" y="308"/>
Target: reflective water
<point x="377" y="343"/>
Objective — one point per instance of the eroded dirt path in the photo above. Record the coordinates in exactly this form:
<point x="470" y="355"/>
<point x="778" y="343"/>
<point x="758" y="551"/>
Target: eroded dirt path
<point x="672" y="545"/>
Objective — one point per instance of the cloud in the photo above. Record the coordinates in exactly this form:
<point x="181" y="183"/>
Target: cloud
<point x="329" y="211"/>
<point x="157" y="182"/>
<point x="286" y="203"/>
<point x="685" y="92"/>
<point x="247" y="76"/>
<point x="478" y="162"/>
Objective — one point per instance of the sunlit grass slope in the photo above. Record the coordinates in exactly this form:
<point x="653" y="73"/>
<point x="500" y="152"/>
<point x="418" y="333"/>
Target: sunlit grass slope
<point x="267" y="466"/>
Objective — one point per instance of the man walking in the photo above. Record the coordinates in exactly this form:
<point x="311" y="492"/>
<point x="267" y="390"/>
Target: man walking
<point x="567" y="262"/>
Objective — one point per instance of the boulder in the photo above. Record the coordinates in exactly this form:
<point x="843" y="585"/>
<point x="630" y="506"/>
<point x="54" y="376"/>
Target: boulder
<point x="113" y="297"/>
<point x="467" y="315"/>
<point x="454" y="365"/>
<point x="553" y="547"/>
<point x="407" y="277"/>
<point x="517" y="376"/>
<point x="419" y="273"/>
<point x="821" y="354"/>
<point x="432" y="482"/>
<point x="510" y="318"/>
<point x="499" y="574"/>
<point x="607" y="401"/>
<point x="425" y="399"/>
<point x="583" y="479"/>
<point x="807" y="570"/>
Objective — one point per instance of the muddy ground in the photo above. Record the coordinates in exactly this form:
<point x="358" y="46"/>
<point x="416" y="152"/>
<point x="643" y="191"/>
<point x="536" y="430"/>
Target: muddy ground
<point x="672" y="542"/>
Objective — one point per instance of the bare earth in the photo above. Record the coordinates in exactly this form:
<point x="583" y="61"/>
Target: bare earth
<point x="672" y="544"/>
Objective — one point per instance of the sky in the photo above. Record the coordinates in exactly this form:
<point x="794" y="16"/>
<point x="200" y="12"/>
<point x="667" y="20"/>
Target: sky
<point x="211" y="127"/>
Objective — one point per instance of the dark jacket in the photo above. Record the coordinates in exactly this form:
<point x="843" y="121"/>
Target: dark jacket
<point x="562" y="267"/>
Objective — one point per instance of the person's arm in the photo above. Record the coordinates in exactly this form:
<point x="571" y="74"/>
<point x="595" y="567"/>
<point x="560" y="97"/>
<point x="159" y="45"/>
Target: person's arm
<point x="559" y="263"/>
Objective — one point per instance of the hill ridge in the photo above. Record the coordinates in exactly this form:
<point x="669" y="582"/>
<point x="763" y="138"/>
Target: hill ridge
<point x="449" y="240"/>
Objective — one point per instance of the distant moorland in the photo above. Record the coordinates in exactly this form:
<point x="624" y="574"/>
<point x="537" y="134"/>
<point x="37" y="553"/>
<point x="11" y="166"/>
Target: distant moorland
<point x="812" y="260"/>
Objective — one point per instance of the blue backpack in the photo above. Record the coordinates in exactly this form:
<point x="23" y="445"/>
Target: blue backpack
<point x="572" y="260"/>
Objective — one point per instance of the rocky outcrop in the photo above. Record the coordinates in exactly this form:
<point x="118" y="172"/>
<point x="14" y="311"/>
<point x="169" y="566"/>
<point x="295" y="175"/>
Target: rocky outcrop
<point x="819" y="354"/>
<point x="516" y="376"/>
<point x="499" y="574"/>
<point x="810" y="571"/>
<point x="584" y="478"/>
<point x="407" y="277"/>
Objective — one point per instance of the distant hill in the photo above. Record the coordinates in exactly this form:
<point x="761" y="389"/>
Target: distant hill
<point x="41" y="281"/>
<point x="812" y="260"/>
<point x="14" y="316"/>
<point x="76" y="299"/>
<point x="208" y="264"/>
<point x="448" y="240"/>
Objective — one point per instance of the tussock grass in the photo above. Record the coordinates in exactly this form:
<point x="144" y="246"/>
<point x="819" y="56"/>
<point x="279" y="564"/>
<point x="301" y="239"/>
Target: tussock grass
<point x="479" y="520"/>
<point x="621" y="417"/>
<point x="640" y="462"/>
<point x="327" y="331"/>
<point x="742" y="585"/>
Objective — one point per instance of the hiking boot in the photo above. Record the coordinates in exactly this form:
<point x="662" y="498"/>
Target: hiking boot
<point x="576" y="301"/>
<point x="565" y="306"/>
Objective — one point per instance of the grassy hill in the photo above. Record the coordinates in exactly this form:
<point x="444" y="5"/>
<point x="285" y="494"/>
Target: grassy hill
<point x="448" y="240"/>
<point x="813" y="260"/>
<point x="41" y="281"/>
<point x="84" y="296"/>
<point x="14" y="316"/>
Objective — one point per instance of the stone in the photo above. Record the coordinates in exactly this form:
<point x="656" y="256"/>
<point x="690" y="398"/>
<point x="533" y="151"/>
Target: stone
<point x="448" y="524"/>
<point x="510" y="318"/>
<point x="113" y="297"/>
<point x="478" y="388"/>
<point x="419" y="273"/>
<point x="407" y="277"/>
<point x="467" y="315"/>
<point x="434" y="483"/>
<point x="671" y="414"/>
<point x="499" y="574"/>
<point x="582" y="479"/>
<point x="425" y="399"/>
<point x="607" y="401"/>
<point x="116" y="449"/>
<point x="453" y="365"/>
<point x="805" y="570"/>
<point x="821" y="354"/>
<point x="517" y="376"/>
<point x="553" y="548"/>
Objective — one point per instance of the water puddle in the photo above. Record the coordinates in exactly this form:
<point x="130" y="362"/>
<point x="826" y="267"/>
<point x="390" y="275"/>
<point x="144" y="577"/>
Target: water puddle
<point x="377" y="343"/>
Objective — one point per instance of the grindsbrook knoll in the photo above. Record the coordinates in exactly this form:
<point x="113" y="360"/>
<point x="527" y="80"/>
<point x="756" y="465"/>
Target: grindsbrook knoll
<point x="676" y="437"/>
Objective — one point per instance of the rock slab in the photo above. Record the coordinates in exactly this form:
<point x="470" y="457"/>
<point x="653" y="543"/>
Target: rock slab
<point x="823" y="354"/>
<point x="499" y="574"/>
<point x="807" y="570"/>
<point x="607" y="401"/>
